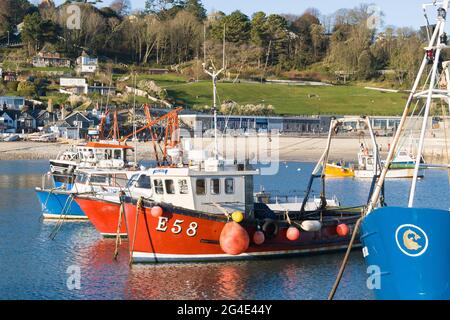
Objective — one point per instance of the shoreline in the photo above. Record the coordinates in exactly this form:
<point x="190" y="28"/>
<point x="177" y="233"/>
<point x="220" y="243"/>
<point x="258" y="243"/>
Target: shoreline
<point x="301" y="149"/>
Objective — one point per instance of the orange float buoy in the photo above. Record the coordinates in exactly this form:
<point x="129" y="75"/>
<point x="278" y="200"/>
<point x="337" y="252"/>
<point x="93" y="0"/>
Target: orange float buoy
<point x="293" y="233"/>
<point x="234" y="239"/>
<point x="259" y="238"/>
<point x="156" y="212"/>
<point x="342" y="230"/>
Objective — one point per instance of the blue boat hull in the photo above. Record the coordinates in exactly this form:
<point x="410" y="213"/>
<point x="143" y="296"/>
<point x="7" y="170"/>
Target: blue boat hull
<point x="56" y="202"/>
<point x="409" y="248"/>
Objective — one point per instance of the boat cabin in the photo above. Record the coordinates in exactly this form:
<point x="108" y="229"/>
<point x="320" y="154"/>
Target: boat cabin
<point x="227" y="187"/>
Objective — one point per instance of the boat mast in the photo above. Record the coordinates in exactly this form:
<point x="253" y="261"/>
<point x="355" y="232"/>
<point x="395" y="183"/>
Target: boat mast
<point x="214" y="75"/>
<point x="434" y="44"/>
<point x="134" y="120"/>
<point x="440" y="44"/>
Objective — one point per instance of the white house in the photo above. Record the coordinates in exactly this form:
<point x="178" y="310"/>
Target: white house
<point x="80" y="86"/>
<point x="73" y="86"/>
<point x="87" y="64"/>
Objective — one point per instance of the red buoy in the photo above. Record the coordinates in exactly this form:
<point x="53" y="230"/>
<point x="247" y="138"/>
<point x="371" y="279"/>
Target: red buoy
<point x="259" y="238"/>
<point x="342" y="230"/>
<point x="156" y="212"/>
<point x="234" y="239"/>
<point x="293" y="233"/>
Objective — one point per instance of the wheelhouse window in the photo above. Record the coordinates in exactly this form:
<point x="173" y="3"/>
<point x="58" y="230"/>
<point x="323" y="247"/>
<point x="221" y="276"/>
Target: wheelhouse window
<point x="170" y="186"/>
<point x="200" y="187"/>
<point x="99" y="179"/>
<point x="183" y="186"/>
<point x="81" y="178"/>
<point x="229" y="186"/>
<point x="215" y="186"/>
<point x="132" y="180"/>
<point x="143" y="182"/>
<point x="117" y="154"/>
<point x="120" y="180"/>
<point x="159" y="188"/>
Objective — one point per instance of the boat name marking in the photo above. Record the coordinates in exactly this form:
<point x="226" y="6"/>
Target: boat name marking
<point x="177" y="226"/>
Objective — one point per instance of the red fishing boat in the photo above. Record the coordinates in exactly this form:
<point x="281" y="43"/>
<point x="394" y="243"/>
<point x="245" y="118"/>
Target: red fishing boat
<point x="206" y="211"/>
<point x="199" y="207"/>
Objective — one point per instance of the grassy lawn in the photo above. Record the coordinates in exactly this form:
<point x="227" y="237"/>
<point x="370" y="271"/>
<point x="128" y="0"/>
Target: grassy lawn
<point x="163" y="80"/>
<point x="47" y="69"/>
<point x="294" y="100"/>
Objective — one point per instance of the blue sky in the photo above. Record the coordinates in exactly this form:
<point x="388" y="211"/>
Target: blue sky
<point x="400" y="13"/>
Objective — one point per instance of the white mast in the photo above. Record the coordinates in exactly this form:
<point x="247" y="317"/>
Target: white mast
<point x="430" y="94"/>
<point x="134" y="120"/>
<point x="214" y="75"/>
<point x="434" y="44"/>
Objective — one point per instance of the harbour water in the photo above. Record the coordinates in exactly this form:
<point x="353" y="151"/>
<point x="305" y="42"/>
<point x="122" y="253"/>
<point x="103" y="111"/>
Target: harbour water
<point x="34" y="267"/>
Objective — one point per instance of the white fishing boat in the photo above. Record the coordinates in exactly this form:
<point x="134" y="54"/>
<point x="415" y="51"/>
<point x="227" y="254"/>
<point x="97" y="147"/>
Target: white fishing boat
<point x="401" y="167"/>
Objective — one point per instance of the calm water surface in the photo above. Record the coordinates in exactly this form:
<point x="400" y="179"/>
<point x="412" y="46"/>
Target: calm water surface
<point x="34" y="267"/>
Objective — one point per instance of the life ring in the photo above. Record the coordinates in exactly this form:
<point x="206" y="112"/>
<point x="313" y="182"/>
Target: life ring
<point x="270" y="228"/>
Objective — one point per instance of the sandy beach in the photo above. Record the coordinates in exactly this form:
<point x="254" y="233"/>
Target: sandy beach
<point x="307" y="149"/>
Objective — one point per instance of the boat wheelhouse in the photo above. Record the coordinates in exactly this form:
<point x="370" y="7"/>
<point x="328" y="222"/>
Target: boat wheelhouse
<point x="94" y="155"/>
<point x="58" y="203"/>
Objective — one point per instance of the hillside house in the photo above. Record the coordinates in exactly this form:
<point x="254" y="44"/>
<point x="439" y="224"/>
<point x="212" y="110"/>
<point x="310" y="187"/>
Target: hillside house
<point x="12" y="103"/>
<point x="86" y="64"/>
<point x="8" y="121"/>
<point x="50" y="59"/>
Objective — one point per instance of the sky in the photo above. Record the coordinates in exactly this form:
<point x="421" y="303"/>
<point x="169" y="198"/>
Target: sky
<point x="399" y="13"/>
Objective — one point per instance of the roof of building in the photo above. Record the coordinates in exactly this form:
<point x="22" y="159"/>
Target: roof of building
<point x="13" y="114"/>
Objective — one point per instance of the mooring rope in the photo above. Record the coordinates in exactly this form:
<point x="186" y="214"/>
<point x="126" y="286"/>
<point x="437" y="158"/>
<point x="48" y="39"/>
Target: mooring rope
<point x="119" y="224"/>
<point x="138" y="209"/>
<point x="62" y="217"/>
<point x="344" y="262"/>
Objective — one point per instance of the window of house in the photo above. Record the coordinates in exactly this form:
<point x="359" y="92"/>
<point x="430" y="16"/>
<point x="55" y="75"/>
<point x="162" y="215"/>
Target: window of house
<point x="200" y="186"/>
<point x="158" y="184"/>
<point x="229" y="186"/>
<point x="215" y="186"/>
<point x="183" y="185"/>
<point x="170" y="186"/>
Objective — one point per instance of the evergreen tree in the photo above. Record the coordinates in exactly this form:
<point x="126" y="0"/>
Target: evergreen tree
<point x="37" y="31"/>
<point x="196" y="8"/>
<point x="259" y="29"/>
<point x="237" y="28"/>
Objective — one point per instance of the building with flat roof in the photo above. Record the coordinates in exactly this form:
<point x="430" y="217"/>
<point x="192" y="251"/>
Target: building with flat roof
<point x="11" y="103"/>
<point x="201" y="123"/>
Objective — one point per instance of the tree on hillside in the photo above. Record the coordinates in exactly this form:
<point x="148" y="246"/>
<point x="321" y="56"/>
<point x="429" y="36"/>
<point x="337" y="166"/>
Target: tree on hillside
<point x="237" y="27"/>
<point x="37" y="31"/>
<point x="310" y="39"/>
<point x="259" y="29"/>
<point x="196" y="8"/>
<point x="121" y="7"/>
<point x="278" y="36"/>
<point x="164" y="8"/>
<point x="12" y="13"/>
